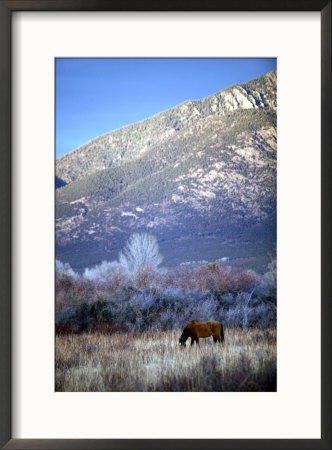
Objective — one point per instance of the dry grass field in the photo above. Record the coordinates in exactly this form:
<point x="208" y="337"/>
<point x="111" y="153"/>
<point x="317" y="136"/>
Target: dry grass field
<point x="154" y="361"/>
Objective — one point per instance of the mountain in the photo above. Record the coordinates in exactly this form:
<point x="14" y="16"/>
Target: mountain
<point x="201" y="177"/>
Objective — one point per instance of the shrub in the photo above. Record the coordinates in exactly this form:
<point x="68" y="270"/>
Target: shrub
<point x="151" y="299"/>
<point x="101" y="272"/>
<point x="64" y="268"/>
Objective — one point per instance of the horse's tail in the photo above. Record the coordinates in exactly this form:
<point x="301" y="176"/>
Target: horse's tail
<point x="222" y="337"/>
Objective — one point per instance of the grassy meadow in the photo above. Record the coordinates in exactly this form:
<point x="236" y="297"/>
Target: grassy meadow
<point x="118" y="327"/>
<point x="154" y="361"/>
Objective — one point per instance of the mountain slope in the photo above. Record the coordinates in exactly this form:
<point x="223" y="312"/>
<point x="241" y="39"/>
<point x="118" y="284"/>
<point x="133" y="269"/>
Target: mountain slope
<point x="128" y="143"/>
<point x="204" y="189"/>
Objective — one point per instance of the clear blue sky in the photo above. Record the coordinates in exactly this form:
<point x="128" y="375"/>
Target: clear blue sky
<point x="98" y="95"/>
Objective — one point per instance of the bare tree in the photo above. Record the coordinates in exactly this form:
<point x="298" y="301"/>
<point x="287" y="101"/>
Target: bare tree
<point x="140" y="252"/>
<point x="247" y="298"/>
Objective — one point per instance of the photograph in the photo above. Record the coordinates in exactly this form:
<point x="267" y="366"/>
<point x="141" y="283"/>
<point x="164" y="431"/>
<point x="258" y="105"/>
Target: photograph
<point x="165" y="224"/>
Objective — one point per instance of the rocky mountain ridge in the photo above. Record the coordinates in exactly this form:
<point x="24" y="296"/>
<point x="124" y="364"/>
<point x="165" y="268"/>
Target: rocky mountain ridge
<point x="131" y="142"/>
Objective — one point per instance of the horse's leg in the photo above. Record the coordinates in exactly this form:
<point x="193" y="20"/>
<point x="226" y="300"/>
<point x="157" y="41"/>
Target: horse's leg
<point x="197" y="340"/>
<point x="215" y="339"/>
<point x="192" y="341"/>
<point x="221" y="334"/>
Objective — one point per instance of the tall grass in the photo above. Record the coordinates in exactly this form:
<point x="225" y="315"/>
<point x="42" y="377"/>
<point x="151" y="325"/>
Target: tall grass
<point x="154" y="361"/>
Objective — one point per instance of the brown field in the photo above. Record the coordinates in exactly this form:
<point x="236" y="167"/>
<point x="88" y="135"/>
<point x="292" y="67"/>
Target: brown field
<point x="154" y="361"/>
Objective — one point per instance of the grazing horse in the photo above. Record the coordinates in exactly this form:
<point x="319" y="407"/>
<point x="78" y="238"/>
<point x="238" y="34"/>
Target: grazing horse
<point x="196" y="330"/>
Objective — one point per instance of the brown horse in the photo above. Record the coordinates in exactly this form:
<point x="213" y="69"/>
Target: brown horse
<point x="196" y="330"/>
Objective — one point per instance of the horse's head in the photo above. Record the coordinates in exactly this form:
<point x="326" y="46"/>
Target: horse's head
<point x="183" y="338"/>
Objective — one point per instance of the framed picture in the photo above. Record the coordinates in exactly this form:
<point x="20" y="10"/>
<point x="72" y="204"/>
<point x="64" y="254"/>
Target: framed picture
<point x="93" y="335"/>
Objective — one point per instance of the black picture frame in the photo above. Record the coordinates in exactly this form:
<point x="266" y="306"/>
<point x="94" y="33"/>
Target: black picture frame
<point x="6" y="9"/>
